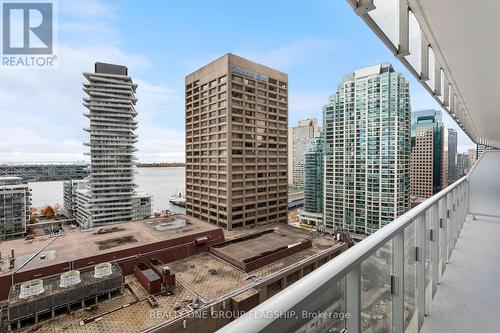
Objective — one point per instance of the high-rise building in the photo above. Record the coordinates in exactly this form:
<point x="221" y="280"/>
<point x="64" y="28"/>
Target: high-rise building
<point x="429" y="156"/>
<point x="367" y="150"/>
<point x="429" y="112"/>
<point x="452" y="155"/>
<point x="472" y="157"/>
<point x="70" y="188"/>
<point x="236" y="143"/>
<point x="112" y="113"/>
<point x="305" y="131"/>
<point x="15" y="204"/>
<point x="463" y="164"/>
<point x="312" y="213"/>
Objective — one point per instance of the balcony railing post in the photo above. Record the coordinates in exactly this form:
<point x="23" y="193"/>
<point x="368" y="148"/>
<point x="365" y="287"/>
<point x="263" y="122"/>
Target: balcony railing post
<point x="398" y="292"/>
<point x="436" y="231"/>
<point x="454" y="220"/>
<point x="420" y="257"/>
<point x="460" y="206"/>
<point x="449" y="223"/>
<point x="353" y="300"/>
<point x="443" y="222"/>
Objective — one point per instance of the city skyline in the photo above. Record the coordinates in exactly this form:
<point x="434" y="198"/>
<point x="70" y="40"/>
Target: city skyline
<point x="47" y="125"/>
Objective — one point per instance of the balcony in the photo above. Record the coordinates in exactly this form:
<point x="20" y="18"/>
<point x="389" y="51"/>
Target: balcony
<point x="433" y="269"/>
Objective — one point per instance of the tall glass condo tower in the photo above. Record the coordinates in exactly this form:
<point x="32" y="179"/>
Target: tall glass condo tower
<point x="367" y="150"/>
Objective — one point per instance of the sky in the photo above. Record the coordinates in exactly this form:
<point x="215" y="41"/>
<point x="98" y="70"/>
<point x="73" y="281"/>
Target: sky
<point x="316" y="42"/>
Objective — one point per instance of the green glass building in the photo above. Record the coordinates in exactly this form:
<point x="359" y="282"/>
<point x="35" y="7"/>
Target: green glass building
<point x="313" y="175"/>
<point x="367" y="150"/>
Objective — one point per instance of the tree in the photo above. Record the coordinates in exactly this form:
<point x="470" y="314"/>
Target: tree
<point x="48" y="212"/>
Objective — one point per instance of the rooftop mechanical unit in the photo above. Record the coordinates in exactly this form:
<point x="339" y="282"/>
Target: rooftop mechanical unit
<point x="58" y="292"/>
<point x="31" y="288"/>
<point x="69" y="279"/>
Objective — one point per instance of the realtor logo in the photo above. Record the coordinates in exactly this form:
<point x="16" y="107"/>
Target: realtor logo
<point x="28" y="34"/>
<point x="27" y="28"/>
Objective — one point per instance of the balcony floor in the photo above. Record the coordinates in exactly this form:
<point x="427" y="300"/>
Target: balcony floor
<point x="468" y="298"/>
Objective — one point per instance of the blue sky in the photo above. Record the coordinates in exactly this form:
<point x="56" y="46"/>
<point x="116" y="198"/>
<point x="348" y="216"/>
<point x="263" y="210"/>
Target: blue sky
<point x="315" y="42"/>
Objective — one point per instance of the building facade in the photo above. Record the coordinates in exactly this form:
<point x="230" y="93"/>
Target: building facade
<point x="463" y="164"/>
<point x="472" y="157"/>
<point x="312" y="214"/>
<point x="367" y="150"/>
<point x="452" y="155"/>
<point x="313" y="175"/>
<point x="429" y="156"/>
<point x="305" y="131"/>
<point x="236" y="143"/>
<point x="111" y="103"/>
<point x="70" y="188"/>
<point x="15" y="205"/>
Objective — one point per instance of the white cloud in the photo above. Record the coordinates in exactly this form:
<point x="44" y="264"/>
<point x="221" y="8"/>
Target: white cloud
<point x="285" y="56"/>
<point x="41" y="115"/>
<point x="43" y="109"/>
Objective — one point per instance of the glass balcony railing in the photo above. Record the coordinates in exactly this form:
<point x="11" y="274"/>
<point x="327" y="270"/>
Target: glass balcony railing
<point x="379" y="285"/>
<point x="385" y="283"/>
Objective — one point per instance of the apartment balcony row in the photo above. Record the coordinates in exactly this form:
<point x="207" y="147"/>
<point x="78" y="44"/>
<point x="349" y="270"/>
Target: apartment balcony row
<point x="433" y="269"/>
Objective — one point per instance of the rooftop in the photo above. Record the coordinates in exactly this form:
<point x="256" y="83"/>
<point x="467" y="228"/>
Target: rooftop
<point x="202" y="276"/>
<point x="75" y="243"/>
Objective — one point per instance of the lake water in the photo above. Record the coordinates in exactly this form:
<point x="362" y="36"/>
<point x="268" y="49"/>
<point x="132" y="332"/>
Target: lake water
<point x="161" y="183"/>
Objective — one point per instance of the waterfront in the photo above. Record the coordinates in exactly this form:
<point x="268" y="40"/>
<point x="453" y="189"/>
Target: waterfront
<point x="161" y="183"/>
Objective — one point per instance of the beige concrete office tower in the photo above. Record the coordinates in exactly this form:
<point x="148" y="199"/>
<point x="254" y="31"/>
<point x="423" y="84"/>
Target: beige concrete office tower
<point x="236" y="143"/>
<point x="429" y="157"/>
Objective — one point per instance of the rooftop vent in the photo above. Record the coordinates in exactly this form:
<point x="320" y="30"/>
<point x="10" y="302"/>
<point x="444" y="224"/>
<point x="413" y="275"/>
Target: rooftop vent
<point x="31" y="288"/>
<point x="102" y="270"/>
<point x="69" y="278"/>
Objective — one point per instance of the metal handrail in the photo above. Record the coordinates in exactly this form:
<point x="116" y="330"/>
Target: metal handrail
<point x="333" y="271"/>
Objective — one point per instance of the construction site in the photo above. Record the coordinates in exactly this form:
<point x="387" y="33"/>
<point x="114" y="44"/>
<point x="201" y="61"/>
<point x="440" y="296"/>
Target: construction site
<point x="159" y="275"/>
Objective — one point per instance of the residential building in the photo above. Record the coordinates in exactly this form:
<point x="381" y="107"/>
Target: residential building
<point x="472" y="157"/>
<point x="312" y="214"/>
<point x="141" y="206"/>
<point x="77" y="200"/>
<point x="452" y="155"/>
<point x="236" y="143"/>
<point x="70" y="188"/>
<point x="398" y="280"/>
<point x="429" y="157"/>
<point x="301" y="134"/>
<point x="367" y="150"/>
<point x="463" y="164"/>
<point x="111" y="104"/>
<point x="15" y="204"/>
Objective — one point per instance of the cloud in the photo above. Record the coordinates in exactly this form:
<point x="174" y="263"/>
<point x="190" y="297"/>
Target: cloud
<point x="43" y="109"/>
<point x="285" y="56"/>
<point x="41" y="115"/>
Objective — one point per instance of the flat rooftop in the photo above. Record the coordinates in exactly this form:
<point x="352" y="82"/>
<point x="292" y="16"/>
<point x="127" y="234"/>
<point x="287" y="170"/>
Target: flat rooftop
<point x="75" y="244"/>
<point x="248" y="247"/>
<point x="204" y="276"/>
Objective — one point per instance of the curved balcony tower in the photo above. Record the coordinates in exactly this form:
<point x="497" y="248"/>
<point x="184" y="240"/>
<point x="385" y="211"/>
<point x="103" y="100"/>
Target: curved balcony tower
<point x="111" y="102"/>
